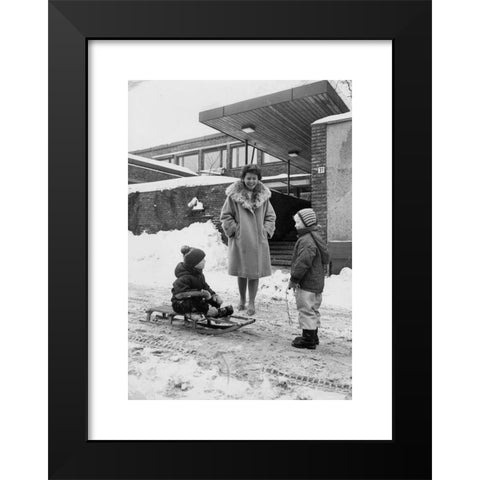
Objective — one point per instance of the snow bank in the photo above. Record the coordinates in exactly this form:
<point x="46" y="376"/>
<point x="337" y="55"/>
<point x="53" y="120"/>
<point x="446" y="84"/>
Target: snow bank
<point x="153" y="258"/>
<point x="198" y="181"/>
<point x="152" y="261"/>
<point x="338" y="289"/>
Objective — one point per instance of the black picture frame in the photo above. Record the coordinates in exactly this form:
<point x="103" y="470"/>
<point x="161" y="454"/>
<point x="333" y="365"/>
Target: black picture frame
<point x="72" y="24"/>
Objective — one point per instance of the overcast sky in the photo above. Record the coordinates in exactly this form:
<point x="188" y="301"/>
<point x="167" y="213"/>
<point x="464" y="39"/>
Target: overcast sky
<point x="167" y="111"/>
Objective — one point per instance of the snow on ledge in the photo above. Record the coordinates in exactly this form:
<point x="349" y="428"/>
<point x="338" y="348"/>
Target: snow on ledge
<point x="165" y="165"/>
<point x="341" y="117"/>
<point x="180" y="182"/>
<point x="282" y="176"/>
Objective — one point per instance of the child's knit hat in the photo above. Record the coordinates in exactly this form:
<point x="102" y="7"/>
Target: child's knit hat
<point x="192" y="256"/>
<point x="308" y="217"/>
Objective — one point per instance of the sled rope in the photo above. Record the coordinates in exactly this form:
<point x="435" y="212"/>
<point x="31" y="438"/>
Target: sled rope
<point x="288" y="307"/>
<point x="220" y="354"/>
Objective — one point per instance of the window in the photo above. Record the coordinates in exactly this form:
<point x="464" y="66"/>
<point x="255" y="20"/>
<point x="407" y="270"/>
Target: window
<point x="214" y="159"/>
<point x="252" y="150"/>
<point x="238" y="156"/>
<point x="267" y="158"/>
<point x="189" y="161"/>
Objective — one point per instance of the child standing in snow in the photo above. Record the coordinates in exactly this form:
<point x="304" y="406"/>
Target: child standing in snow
<point x="191" y="293"/>
<point x="309" y="261"/>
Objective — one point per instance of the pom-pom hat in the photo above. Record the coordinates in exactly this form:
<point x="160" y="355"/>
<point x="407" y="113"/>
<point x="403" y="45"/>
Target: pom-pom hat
<point x="308" y="217"/>
<point x="192" y="256"/>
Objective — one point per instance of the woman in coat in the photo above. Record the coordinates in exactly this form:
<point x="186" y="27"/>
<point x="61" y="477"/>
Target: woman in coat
<point x="248" y="220"/>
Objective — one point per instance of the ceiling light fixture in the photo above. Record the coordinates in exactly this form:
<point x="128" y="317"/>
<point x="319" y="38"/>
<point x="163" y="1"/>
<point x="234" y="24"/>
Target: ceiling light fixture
<point x="248" y="128"/>
<point x="293" y="153"/>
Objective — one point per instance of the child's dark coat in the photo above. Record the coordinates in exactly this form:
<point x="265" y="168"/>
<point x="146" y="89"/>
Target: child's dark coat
<point x="308" y="260"/>
<point x="190" y="279"/>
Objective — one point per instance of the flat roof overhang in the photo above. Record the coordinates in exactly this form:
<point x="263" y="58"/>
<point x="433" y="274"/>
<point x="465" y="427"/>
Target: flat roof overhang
<point x="282" y="120"/>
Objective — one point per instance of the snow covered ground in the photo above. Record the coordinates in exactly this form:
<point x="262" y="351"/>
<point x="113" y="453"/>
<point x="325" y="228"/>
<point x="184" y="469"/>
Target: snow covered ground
<point x="256" y="362"/>
<point x="152" y="260"/>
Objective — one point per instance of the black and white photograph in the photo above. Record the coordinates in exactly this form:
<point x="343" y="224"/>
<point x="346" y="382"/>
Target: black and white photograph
<point x="240" y="240"/>
<point x="203" y="144"/>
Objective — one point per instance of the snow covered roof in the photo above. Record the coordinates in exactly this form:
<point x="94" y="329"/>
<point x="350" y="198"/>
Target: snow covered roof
<point x="342" y="117"/>
<point x="197" y="181"/>
<point x="159" y="165"/>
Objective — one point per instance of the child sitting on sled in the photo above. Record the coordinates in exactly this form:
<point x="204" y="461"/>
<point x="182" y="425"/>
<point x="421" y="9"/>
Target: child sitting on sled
<point x="191" y="293"/>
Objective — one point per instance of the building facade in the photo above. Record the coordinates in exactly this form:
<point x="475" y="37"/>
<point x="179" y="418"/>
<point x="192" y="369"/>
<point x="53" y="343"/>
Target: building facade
<point x="302" y="140"/>
<point x="221" y="154"/>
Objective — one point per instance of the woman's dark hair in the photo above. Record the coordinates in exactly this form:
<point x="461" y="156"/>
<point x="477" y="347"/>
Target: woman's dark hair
<point x="255" y="169"/>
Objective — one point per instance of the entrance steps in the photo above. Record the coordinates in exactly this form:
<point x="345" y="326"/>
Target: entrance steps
<point x="281" y="253"/>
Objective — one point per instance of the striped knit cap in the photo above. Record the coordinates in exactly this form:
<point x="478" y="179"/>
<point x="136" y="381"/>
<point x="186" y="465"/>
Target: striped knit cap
<point x="308" y="217"/>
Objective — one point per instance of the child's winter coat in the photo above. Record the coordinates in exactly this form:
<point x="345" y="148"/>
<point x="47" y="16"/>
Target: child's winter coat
<point x="189" y="279"/>
<point x="309" y="256"/>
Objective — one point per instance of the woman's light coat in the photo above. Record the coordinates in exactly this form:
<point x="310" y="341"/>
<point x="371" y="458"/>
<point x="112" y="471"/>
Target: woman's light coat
<point x="248" y="220"/>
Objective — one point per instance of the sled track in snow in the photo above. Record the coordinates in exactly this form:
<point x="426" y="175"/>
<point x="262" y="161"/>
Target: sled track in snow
<point x="153" y="341"/>
<point x="175" y="346"/>
<point x="310" y="380"/>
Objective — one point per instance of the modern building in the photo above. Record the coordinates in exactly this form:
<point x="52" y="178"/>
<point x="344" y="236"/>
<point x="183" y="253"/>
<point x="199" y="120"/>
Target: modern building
<point x="142" y="170"/>
<point x="220" y="154"/>
<point x="301" y="137"/>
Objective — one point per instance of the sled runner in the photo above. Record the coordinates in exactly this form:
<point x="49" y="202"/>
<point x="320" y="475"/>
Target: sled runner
<point x="199" y="322"/>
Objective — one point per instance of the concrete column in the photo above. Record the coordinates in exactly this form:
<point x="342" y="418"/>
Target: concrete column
<point x="229" y="157"/>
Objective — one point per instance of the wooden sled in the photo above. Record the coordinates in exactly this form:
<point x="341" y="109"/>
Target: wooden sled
<point x="203" y="324"/>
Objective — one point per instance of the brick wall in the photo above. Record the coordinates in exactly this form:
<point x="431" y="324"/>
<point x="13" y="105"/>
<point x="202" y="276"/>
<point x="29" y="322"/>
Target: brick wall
<point x="319" y="180"/>
<point x="168" y="209"/>
<point x="141" y="175"/>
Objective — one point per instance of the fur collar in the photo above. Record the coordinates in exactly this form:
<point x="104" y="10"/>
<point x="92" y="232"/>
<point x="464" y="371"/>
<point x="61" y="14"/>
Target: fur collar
<point x="239" y="193"/>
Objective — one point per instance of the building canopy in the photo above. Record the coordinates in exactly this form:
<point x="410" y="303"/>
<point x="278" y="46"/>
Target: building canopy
<point x="279" y="123"/>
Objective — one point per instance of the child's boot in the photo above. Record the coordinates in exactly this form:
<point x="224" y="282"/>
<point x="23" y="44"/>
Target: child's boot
<point x="307" y="340"/>
<point x="225" y="311"/>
